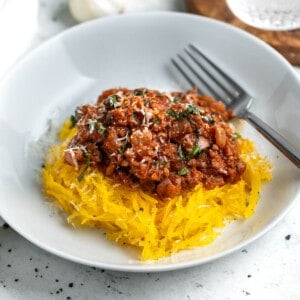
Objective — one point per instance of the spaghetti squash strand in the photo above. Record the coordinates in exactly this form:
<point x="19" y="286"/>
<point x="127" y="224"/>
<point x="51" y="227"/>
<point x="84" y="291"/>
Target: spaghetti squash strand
<point x="132" y="217"/>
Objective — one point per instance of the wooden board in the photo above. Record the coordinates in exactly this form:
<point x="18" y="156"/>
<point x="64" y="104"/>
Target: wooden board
<point x="286" y="42"/>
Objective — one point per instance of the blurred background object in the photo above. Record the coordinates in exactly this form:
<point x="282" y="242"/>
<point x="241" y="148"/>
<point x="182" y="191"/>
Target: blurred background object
<point x="270" y="15"/>
<point x="83" y="10"/>
<point x="285" y="42"/>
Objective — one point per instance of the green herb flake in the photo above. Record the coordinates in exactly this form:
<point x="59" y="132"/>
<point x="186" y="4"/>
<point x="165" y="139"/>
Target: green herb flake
<point x="183" y="171"/>
<point x="101" y="128"/>
<point x="237" y="135"/>
<point x="212" y="120"/>
<point x="209" y="119"/>
<point x="156" y="121"/>
<point x="135" y="116"/>
<point x="180" y="153"/>
<point x="88" y="156"/>
<point x="123" y="147"/>
<point x="92" y="125"/>
<point x="81" y="175"/>
<point x="173" y="113"/>
<point x="111" y="101"/>
<point x="194" y="152"/>
<point x="73" y="120"/>
<point x="192" y="121"/>
<point x="190" y="110"/>
<point x="139" y="92"/>
<point x="185" y="113"/>
<point x="176" y="99"/>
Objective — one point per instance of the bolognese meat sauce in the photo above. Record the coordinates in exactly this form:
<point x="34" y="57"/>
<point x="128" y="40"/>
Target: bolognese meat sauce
<point x="162" y="142"/>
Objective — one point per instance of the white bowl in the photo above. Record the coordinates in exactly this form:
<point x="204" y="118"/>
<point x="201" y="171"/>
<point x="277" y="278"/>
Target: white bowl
<point x="134" y="51"/>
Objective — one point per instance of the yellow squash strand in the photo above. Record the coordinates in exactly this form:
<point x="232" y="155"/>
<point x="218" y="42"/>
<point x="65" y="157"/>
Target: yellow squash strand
<point x="158" y="228"/>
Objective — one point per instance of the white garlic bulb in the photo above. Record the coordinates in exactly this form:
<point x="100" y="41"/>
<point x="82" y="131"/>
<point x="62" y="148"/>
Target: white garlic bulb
<point x="83" y="10"/>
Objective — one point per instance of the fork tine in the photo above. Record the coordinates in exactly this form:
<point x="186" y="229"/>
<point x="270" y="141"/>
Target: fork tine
<point x="229" y="94"/>
<point x="225" y="76"/>
<point x="184" y="74"/>
<point x="209" y="88"/>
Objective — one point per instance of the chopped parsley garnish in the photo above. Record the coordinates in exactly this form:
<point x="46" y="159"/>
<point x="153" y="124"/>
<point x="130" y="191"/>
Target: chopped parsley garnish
<point x="135" y="116"/>
<point x="92" y="125"/>
<point x="237" y="135"/>
<point x="185" y="113"/>
<point x="183" y="171"/>
<point x="176" y="99"/>
<point x="123" y="148"/>
<point x="139" y="92"/>
<point x="180" y="153"/>
<point x="87" y="164"/>
<point x="111" y="101"/>
<point x="209" y="119"/>
<point x="194" y="152"/>
<point x="156" y="121"/>
<point x="124" y="144"/>
<point x="101" y="128"/>
<point x="191" y="110"/>
<point x="73" y="120"/>
<point x="173" y="113"/>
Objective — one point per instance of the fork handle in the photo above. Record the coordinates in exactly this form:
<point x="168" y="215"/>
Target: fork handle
<point x="275" y="138"/>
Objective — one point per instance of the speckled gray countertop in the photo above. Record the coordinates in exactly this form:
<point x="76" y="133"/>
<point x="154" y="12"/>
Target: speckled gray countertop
<point x="269" y="268"/>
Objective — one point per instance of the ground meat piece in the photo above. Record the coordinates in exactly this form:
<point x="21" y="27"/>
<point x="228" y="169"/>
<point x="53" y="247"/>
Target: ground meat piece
<point x="189" y="141"/>
<point x="142" y="142"/>
<point x="74" y="156"/>
<point x="165" y="143"/>
<point x="112" y="143"/>
<point x="168" y="189"/>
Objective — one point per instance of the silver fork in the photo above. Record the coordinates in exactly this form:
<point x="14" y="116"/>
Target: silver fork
<point x="224" y="88"/>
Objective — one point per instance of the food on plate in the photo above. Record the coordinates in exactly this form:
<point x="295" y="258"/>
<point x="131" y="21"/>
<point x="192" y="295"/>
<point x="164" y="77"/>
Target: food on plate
<point x="164" y="143"/>
<point x="159" y="171"/>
